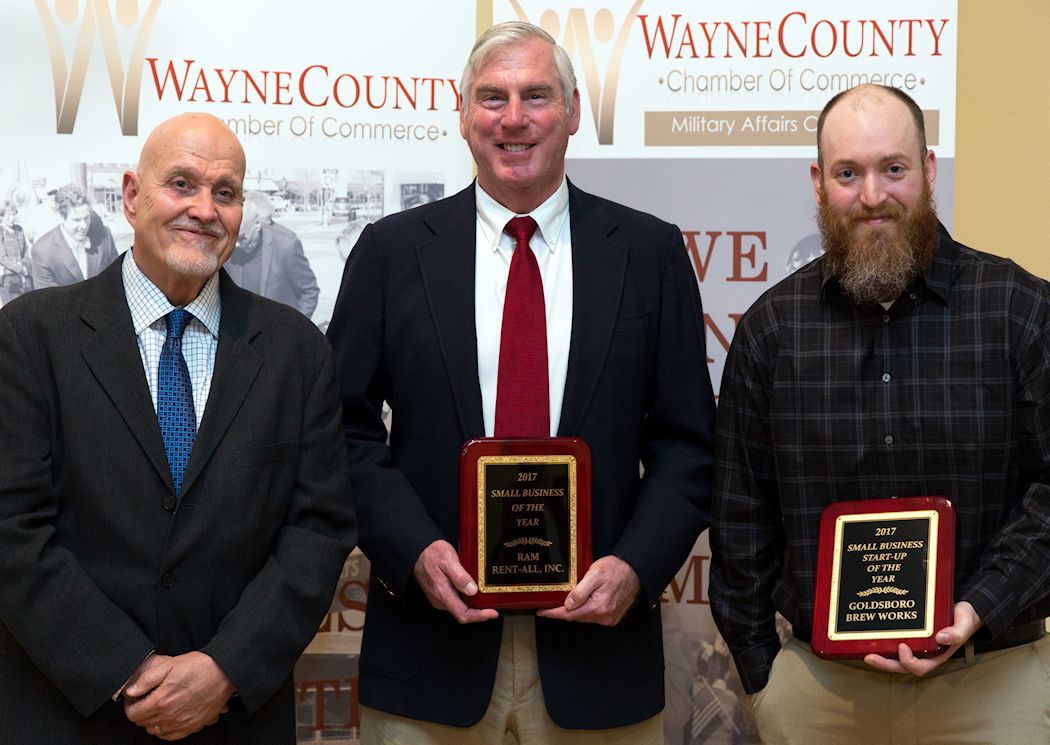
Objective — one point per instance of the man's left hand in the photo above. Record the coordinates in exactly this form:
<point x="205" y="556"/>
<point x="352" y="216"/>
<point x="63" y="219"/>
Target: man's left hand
<point x="172" y="697"/>
<point x="966" y="624"/>
<point x="604" y="595"/>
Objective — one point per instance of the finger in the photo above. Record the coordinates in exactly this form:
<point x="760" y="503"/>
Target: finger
<point x="460" y="578"/>
<point x="558" y="614"/>
<point x="583" y="591"/>
<point x="146" y="681"/>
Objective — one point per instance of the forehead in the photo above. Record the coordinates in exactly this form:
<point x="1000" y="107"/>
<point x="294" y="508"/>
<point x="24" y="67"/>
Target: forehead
<point x="79" y="211"/>
<point x="869" y="127"/>
<point x="205" y="151"/>
<point x="530" y="61"/>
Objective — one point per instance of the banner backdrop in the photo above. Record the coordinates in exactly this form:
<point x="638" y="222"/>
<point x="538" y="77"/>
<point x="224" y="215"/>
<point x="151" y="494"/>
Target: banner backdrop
<point x="701" y="113"/>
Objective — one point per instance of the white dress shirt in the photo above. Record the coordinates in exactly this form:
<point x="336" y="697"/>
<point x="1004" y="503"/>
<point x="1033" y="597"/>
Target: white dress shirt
<point x="494" y="249"/>
<point x="79" y="250"/>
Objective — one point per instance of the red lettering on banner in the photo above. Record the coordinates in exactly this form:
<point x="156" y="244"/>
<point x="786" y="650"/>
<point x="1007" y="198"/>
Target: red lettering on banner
<point x="302" y="85"/>
<point x="313" y="85"/>
<point x="699" y="264"/>
<point x="282" y="84"/>
<point x="672" y="36"/>
<point x="169" y="75"/>
<point x="720" y="337"/>
<point x="693" y="568"/>
<point x="345" y="596"/>
<point x="650" y="42"/>
<point x="740" y="255"/>
<point x="201" y="85"/>
<point x="225" y="83"/>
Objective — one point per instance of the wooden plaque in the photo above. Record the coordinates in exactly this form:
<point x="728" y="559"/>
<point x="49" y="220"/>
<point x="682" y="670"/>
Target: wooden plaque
<point x="525" y="519"/>
<point x="885" y="570"/>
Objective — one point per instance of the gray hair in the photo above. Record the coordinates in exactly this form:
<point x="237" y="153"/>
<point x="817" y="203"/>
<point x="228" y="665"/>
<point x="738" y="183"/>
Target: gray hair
<point x="509" y="34"/>
<point x="259" y="204"/>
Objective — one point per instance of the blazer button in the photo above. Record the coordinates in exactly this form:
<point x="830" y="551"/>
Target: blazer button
<point x="169" y="503"/>
<point x="167" y="580"/>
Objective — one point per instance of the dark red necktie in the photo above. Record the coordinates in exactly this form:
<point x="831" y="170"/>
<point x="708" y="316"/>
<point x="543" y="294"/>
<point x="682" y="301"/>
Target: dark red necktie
<point x="522" y="391"/>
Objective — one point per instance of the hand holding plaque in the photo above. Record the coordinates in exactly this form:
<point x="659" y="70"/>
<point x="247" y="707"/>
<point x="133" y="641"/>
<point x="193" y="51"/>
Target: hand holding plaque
<point x="884" y="576"/>
<point x="525" y="519"/>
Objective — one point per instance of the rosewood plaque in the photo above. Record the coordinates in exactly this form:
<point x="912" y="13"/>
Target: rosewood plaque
<point x="525" y="519"/>
<point x="884" y="576"/>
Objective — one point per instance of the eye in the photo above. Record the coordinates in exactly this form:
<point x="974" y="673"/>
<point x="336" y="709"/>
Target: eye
<point x="896" y="170"/>
<point x="226" y="196"/>
<point x="182" y="184"/>
<point x="846" y="174"/>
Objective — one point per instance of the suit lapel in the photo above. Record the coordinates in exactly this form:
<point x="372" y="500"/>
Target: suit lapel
<point x="111" y="352"/>
<point x="236" y="366"/>
<point x="447" y="266"/>
<point x="598" y="269"/>
<point x="69" y="261"/>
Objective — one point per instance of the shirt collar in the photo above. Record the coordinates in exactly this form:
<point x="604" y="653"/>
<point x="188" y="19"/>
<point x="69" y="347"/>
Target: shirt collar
<point x="72" y="242"/>
<point x="150" y="304"/>
<point x="550" y="216"/>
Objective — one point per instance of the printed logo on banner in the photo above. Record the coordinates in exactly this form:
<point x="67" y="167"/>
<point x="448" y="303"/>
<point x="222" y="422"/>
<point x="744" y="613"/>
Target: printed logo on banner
<point x="96" y="16"/>
<point x="577" y="37"/>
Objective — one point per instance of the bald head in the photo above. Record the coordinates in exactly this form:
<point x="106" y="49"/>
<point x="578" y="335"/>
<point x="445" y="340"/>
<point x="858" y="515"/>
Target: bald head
<point x="866" y="99"/>
<point x="190" y="128"/>
<point x="184" y="203"/>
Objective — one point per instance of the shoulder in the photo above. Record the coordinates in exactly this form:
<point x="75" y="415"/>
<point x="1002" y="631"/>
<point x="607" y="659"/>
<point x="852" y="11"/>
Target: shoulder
<point x="280" y="235"/>
<point x="42" y="312"/>
<point x="49" y="241"/>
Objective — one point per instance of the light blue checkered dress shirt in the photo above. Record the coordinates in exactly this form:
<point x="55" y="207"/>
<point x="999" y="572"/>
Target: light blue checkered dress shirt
<point x="149" y="306"/>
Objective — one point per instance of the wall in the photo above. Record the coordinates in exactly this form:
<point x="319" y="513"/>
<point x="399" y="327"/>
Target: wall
<point x="1002" y="147"/>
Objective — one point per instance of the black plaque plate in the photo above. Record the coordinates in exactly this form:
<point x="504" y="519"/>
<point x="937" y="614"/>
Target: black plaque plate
<point x="524" y="519"/>
<point x="884" y="576"/>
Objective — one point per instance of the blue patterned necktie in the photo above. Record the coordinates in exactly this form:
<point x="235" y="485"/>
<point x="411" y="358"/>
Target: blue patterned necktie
<point x="178" y="422"/>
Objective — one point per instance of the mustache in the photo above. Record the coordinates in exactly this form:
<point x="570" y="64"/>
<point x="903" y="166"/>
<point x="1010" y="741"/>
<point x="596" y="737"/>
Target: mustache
<point x="886" y="212"/>
<point x="214" y="229"/>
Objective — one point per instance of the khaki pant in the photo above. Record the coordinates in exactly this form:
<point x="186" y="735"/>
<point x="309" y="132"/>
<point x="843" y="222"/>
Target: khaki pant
<point x="997" y="698"/>
<point x="516" y="708"/>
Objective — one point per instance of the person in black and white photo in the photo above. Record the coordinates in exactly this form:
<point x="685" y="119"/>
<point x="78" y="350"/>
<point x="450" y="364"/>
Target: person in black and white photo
<point x="269" y="258"/>
<point x="72" y="251"/>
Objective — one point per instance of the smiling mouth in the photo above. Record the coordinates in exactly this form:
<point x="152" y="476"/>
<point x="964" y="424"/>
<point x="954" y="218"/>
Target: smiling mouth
<point x="515" y="148"/>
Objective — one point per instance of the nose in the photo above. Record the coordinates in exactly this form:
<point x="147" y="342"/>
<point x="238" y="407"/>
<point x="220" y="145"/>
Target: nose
<point x="871" y="192"/>
<point x="514" y="113"/>
<point x="201" y="206"/>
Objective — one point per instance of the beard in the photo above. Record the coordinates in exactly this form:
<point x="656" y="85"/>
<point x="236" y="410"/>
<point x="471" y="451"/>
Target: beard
<point x="877" y="265"/>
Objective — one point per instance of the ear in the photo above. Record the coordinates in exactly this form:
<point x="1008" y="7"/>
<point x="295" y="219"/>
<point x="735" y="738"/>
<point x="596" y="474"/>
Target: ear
<point x="130" y="187"/>
<point x="574" y="118"/>
<point x="930" y="163"/>
<point x="816" y="175"/>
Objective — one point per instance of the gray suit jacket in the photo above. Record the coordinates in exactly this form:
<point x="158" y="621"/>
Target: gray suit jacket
<point x="101" y="563"/>
<point x="54" y="264"/>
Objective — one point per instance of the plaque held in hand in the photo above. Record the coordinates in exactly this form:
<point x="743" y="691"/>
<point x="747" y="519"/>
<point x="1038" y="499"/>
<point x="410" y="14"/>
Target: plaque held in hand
<point x="525" y="519"/>
<point x="884" y="576"/>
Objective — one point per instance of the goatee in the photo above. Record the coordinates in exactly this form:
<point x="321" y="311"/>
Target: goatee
<point x="876" y="265"/>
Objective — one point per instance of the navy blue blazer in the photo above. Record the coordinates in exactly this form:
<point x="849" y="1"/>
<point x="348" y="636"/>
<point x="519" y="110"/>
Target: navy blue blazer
<point x="637" y="390"/>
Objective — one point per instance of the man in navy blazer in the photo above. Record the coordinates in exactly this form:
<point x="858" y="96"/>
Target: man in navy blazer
<point x="413" y="326"/>
<point x="133" y="609"/>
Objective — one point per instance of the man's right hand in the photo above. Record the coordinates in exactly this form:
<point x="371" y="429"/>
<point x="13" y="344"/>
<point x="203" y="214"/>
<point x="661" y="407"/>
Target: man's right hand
<point x="445" y="581"/>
